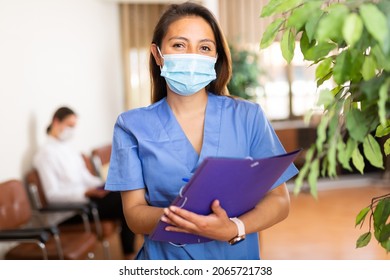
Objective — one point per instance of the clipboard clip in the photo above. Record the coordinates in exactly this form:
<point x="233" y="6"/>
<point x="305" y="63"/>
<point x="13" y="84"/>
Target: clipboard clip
<point x="181" y="206"/>
<point x="181" y="195"/>
<point x="177" y="245"/>
<point x="256" y="163"/>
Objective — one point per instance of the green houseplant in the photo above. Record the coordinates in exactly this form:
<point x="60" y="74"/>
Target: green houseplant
<point x="246" y="73"/>
<point x="349" y="42"/>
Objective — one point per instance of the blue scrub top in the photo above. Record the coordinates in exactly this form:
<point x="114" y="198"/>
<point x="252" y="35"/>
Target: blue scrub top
<point x="151" y="151"/>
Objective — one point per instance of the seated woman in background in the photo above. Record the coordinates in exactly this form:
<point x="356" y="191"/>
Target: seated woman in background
<point x="65" y="177"/>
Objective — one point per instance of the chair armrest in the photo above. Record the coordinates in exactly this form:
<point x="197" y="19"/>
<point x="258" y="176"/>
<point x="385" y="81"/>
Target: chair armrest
<point x="81" y="209"/>
<point x="58" y="207"/>
<point x="40" y="235"/>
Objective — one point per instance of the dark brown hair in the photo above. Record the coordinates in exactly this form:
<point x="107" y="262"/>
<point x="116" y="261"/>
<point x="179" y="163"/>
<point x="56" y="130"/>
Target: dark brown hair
<point x="223" y="66"/>
<point x="60" y="114"/>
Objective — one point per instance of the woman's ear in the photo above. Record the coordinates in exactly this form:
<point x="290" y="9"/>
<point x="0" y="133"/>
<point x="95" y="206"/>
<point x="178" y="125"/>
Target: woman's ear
<point x="156" y="54"/>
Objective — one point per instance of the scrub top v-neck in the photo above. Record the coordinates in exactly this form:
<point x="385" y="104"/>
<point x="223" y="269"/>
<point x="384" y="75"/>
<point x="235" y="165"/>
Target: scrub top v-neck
<point x="151" y="151"/>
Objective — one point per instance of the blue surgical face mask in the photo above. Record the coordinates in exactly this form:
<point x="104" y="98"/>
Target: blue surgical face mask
<point x="187" y="74"/>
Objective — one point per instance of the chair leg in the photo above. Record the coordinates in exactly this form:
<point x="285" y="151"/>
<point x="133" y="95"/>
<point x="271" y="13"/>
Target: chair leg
<point x="106" y="249"/>
<point x="96" y="219"/>
<point x="43" y="249"/>
<point x="87" y="226"/>
<point x="59" y="246"/>
<point x="91" y="256"/>
<point x="99" y="231"/>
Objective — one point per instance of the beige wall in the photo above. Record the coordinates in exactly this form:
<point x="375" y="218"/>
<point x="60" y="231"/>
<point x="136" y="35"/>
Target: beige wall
<point x="53" y="53"/>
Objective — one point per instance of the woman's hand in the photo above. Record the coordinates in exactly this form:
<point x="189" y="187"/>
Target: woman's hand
<point x="96" y="193"/>
<point x="216" y="225"/>
<point x="272" y="209"/>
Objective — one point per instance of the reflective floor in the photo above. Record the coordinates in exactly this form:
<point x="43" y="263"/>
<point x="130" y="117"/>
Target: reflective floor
<point x="324" y="229"/>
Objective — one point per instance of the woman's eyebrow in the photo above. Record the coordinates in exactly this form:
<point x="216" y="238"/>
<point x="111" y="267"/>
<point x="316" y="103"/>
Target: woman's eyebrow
<point x="208" y="41"/>
<point x="187" y="40"/>
<point x="178" y="38"/>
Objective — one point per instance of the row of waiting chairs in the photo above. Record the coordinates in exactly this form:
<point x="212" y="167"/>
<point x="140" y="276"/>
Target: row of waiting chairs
<point x="26" y="217"/>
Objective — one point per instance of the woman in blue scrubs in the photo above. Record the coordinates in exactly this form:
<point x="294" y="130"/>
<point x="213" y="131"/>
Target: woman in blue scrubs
<point x="192" y="117"/>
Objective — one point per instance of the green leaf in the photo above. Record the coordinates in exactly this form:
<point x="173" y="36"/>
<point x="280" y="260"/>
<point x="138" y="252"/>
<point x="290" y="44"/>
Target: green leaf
<point x="302" y="14"/>
<point x="323" y="68"/>
<point x="325" y="78"/>
<point x="312" y="23"/>
<point x="357" y="160"/>
<point x="385" y="233"/>
<point x="386" y="245"/>
<point x="318" y="51"/>
<point x="305" y="43"/>
<point x="288" y="45"/>
<point x="375" y="22"/>
<point x="330" y="26"/>
<point x="332" y="146"/>
<point x="381" y="212"/>
<point x="351" y="146"/>
<point x="279" y="6"/>
<point x="372" y="151"/>
<point x="356" y="124"/>
<point x="331" y="155"/>
<point x="383" y="129"/>
<point x="377" y="231"/>
<point x="369" y="68"/>
<point x="363" y="240"/>
<point x="344" y="154"/>
<point x="321" y="132"/>
<point x="313" y="50"/>
<point x="270" y="8"/>
<point x="386" y="147"/>
<point x="325" y="98"/>
<point x="381" y="59"/>
<point x="352" y="29"/>
<point x="304" y="170"/>
<point x="270" y="33"/>
<point x="324" y="166"/>
<point x="384" y="7"/>
<point x="342" y="68"/>
<point x="301" y="176"/>
<point x="357" y="59"/>
<point x="362" y="215"/>
<point x="313" y="177"/>
<point x="383" y="96"/>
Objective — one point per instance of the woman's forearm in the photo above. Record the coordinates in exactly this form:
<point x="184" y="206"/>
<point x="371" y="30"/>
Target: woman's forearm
<point x="143" y="219"/>
<point x="140" y="217"/>
<point x="271" y="210"/>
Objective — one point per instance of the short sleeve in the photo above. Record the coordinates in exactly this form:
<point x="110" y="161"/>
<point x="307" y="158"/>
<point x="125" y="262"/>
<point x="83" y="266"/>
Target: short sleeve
<point x="265" y="143"/>
<point x="125" y="170"/>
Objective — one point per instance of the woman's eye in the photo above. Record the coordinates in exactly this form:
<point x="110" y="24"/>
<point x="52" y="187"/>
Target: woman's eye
<point x="205" y="48"/>
<point x="178" y="45"/>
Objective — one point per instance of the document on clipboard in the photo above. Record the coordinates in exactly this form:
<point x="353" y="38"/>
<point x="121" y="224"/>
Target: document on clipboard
<point x="239" y="184"/>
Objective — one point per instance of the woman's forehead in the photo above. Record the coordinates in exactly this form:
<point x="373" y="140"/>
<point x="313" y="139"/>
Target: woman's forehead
<point x="190" y="27"/>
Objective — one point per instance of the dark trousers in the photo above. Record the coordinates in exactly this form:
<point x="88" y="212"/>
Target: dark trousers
<point x="110" y="207"/>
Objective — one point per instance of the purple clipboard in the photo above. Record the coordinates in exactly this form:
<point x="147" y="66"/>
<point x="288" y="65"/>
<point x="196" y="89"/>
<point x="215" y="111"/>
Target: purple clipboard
<point x="239" y="184"/>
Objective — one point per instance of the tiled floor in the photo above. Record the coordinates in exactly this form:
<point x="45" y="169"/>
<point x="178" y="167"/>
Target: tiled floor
<point x="324" y="229"/>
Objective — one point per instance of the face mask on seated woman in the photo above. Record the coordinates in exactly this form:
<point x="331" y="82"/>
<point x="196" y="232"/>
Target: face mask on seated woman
<point x="67" y="134"/>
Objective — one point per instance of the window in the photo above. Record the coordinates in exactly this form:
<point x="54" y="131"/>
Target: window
<point x="289" y="91"/>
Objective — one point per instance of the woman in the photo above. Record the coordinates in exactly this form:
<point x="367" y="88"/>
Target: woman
<point x="65" y="177"/>
<point x="192" y="117"/>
